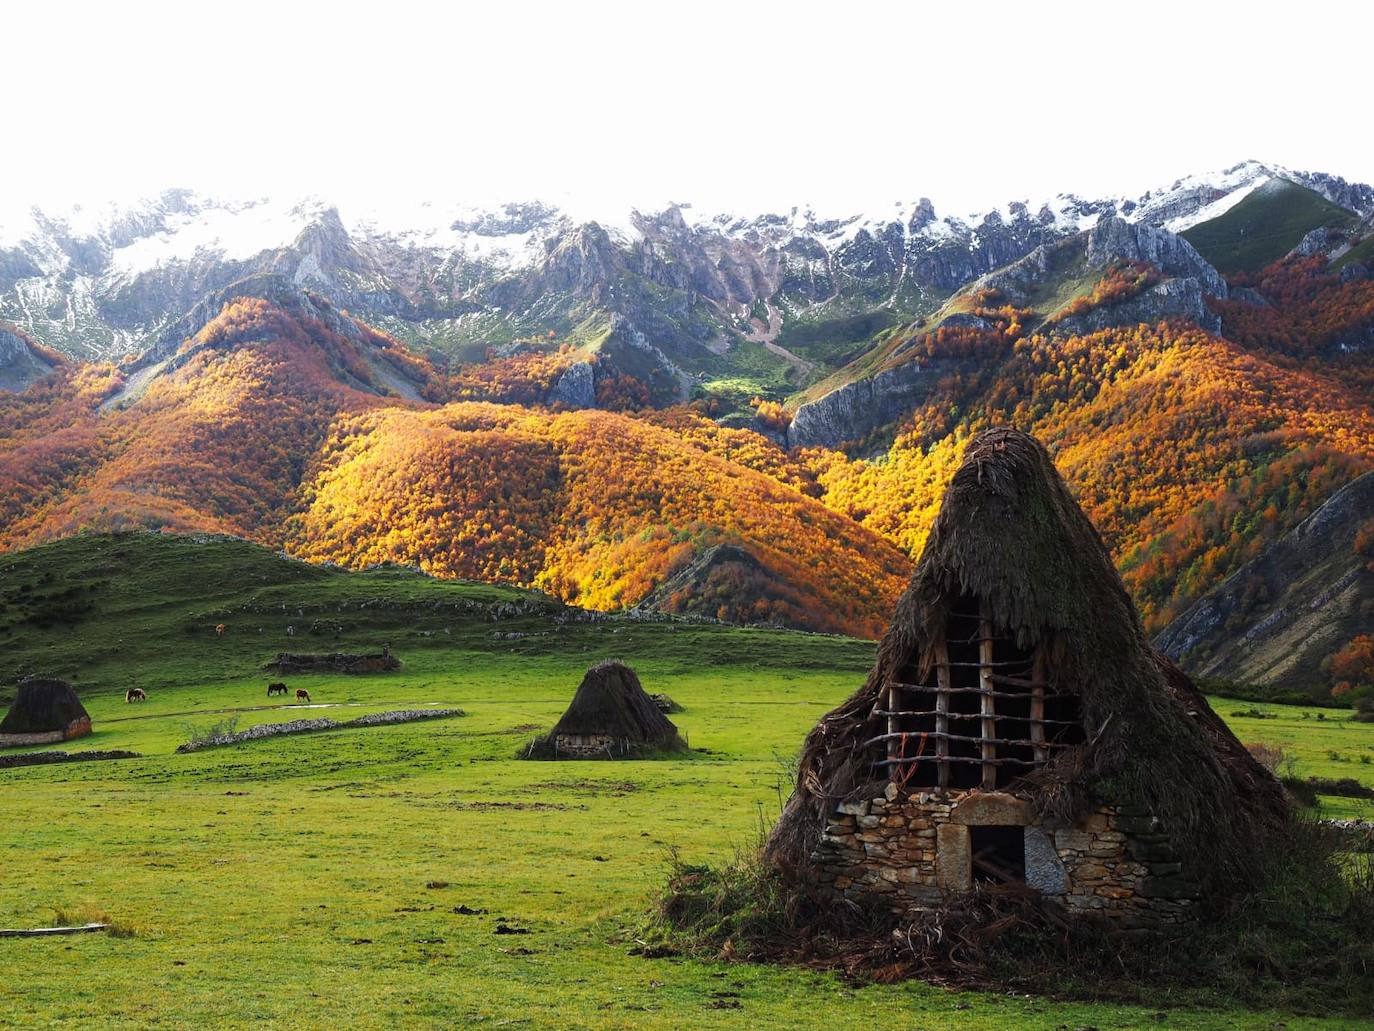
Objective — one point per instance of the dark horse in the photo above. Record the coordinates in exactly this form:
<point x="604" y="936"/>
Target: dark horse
<point x="275" y="689"/>
<point x="135" y="694"/>
<point x="302" y="695"/>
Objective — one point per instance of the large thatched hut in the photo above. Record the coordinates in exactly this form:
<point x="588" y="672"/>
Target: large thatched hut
<point x="611" y="716"/>
<point x="45" y="711"/>
<point x="1018" y="728"/>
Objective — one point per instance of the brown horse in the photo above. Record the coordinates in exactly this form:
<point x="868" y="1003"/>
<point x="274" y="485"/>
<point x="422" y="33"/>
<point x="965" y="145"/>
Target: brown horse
<point x="273" y="689"/>
<point x="135" y="694"/>
<point x="302" y="695"/>
<point x="219" y="629"/>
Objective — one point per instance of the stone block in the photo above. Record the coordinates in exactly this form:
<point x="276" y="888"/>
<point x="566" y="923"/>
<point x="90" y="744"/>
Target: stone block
<point x="891" y="793"/>
<point x="1072" y="840"/>
<point x="1109" y="892"/>
<point x="992" y="809"/>
<point x="1089" y="871"/>
<point x="1043" y="867"/>
<point x="859" y="808"/>
<point x="1094" y="822"/>
<point x="869" y="822"/>
<point x="954" y="861"/>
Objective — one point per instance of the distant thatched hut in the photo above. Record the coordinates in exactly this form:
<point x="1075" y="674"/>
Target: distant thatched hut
<point x="45" y="711"/>
<point x="610" y="717"/>
<point x="1017" y="727"/>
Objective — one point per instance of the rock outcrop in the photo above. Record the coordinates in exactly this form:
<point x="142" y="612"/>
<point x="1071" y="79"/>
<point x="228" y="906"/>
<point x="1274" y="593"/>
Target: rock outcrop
<point x="857" y="409"/>
<point x="1115" y="239"/>
<point x="1280" y="614"/>
<point x="20" y="362"/>
<point x="576" y="388"/>
<point x="1172" y="299"/>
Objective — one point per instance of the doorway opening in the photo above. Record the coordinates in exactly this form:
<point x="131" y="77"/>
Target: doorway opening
<point x="999" y="854"/>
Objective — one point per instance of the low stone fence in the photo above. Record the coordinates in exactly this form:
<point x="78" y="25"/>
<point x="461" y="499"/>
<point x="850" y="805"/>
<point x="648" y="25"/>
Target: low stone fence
<point x="376" y="719"/>
<point x="44" y="758"/>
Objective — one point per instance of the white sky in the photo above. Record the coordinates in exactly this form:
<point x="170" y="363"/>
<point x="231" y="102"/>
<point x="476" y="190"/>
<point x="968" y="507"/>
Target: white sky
<point x="737" y="105"/>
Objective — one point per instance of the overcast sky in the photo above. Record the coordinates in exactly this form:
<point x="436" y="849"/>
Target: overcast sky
<point x="737" y="105"/>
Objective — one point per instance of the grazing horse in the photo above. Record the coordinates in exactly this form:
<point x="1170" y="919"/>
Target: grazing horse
<point x="302" y="695"/>
<point x="219" y="629"/>
<point x="135" y="694"/>
<point x="275" y="689"/>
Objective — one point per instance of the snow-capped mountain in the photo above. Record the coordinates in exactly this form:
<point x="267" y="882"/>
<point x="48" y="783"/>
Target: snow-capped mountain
<point x="106" y="281"/>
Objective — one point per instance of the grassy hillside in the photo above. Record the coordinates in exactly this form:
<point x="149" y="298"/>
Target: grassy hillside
<point x="1264" y="226"/>
<point x="333" y="878"/>
<point x="261" y="426"/>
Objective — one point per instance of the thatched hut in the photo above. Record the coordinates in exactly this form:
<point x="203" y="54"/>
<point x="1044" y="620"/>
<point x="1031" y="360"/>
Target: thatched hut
<point x="611" y="716"/>
<point x="1018" y="728"/>
<point x="45" y="711"/>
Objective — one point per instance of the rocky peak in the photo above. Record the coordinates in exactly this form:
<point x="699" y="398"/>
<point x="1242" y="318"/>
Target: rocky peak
<point x="20" y="362"/>
<point x="1115" y="239"/>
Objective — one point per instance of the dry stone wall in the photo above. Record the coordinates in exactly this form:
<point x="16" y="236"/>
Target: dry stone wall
<point x="915" y="851"/>
<point x="74" y="729"/>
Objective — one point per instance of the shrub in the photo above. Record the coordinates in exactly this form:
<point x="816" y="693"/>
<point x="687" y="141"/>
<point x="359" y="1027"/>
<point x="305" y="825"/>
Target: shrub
<point x="1274" y="758"/>
<point x="206" y="735"/>
<point x="1300" y="941"/>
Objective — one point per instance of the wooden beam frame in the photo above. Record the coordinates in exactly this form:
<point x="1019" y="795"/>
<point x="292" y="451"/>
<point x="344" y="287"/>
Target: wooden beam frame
<point x="1037" y="706"/>
<point x="989" y="707"/>
<point x="942" y="712"/>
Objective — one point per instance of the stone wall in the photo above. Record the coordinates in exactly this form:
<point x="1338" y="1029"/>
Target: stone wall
<point x="582" y="745"/>
<point x="74" y="729"/>
<point x="915" y="852"/>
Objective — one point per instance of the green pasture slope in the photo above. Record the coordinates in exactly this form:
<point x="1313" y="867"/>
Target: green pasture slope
<point x="325" y="880"/>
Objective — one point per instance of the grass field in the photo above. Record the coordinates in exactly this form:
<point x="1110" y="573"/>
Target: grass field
<point x="315" y="880"/>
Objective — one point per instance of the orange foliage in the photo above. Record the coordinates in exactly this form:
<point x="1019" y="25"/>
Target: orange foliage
<point x="520" y="379"/>
<point x="1120" y="283"/>
<point x="596" y="507"/>
<point x="1188" y="453"/>
<point x="1355" y="661"/>
<point x="1310" y="309"/>
<point x="739" y="446"/>
<point x="771" y="414"/>
<point x="619" y="392"/>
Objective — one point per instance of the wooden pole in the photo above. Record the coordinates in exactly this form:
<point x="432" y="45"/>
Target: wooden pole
<point x="942" y="711"/>
<point x="1037" y="709"/>
<point x="893" y="726"/>
<point x="44" y="932"/>
<point x="989" y="726"/>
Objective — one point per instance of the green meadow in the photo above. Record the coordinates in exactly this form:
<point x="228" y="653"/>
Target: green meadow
<point x="420" y="875"/>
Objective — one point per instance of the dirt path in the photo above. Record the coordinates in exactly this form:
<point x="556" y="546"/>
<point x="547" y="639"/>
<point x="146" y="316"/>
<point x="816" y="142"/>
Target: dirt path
<point x="767" y="336"/>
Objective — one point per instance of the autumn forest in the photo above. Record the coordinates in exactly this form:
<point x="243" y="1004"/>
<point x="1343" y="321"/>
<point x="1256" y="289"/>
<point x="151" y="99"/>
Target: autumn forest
<point x="298" y="426"/>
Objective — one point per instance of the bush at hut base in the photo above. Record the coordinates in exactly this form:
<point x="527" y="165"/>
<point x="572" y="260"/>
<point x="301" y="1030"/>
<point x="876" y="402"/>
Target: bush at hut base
<point x="1302" y="941"/>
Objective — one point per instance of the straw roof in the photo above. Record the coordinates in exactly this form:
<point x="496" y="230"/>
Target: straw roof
<point x="611" y="702"/>
<point x="1010" y="533"/>
<point x="43" y="705"/>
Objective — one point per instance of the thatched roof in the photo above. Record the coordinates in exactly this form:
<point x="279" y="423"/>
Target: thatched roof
<point x="1010" y="533"/>
<point x="611" y="702"/>
<point x="42" y="706"/>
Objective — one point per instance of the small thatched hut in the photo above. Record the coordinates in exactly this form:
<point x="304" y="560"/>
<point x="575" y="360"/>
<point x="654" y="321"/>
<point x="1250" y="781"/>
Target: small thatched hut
<point x="1017" y="727"/>
<point x="611" y="716"/>
<point x="45" y="711"/>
